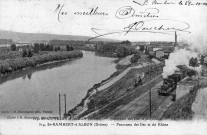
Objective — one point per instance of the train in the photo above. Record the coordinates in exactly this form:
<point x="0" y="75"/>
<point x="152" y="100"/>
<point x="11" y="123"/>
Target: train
<point x="170" y="83"/>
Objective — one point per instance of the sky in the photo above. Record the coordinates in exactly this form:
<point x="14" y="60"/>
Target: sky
<point x="40" y="16"/>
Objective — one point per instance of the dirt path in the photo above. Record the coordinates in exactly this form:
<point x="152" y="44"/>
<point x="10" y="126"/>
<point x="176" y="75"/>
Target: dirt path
<point x="119" y="77"/>
<point x="199" y="106"/>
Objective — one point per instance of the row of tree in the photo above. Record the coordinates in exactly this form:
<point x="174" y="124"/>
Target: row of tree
<point x="27" y="53"/>
<point x="11" y="65"/>
<point x="43" y="47"/>
<point x="49" y="47"/>
<point x="121" y="49"/>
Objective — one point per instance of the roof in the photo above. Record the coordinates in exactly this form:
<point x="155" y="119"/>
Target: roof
<point x="168" y="49"/>
<point x="159" y="50"/>
<point x="156" y="49"/>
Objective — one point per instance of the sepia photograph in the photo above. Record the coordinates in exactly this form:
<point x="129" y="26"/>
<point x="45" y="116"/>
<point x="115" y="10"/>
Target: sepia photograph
<point x="103" y="67"/>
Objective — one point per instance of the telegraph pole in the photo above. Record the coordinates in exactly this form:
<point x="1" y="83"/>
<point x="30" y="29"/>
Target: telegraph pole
<point x="65" y="102"/>
<point x="150" y="107"/>
<point x="60" y="104"/>
<point x="59" y="107"/>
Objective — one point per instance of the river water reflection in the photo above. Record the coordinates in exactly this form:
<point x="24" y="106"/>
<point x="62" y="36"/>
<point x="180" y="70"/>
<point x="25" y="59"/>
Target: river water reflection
<point x="37" y="89"/>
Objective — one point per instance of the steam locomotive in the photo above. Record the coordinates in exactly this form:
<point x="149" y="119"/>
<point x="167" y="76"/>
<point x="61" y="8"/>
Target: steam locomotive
<point x="170" y="83"/>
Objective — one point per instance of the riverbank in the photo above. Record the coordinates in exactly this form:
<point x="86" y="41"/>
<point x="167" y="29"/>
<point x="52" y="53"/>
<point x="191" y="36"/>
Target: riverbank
<point x="109" y="89"/>
<point x="82" y="106"/>
<point x="26" y="72"/>
<point x="11" y="65"/>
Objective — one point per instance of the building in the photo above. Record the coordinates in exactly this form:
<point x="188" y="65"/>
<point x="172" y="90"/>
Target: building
<point x="23" y="43"/>
<point x="159" y="53"/>
<point x="167" y="51"/>
<point x="151" y="51"/>
<point x="20" y="49"/>
<point x="90" y="45"/>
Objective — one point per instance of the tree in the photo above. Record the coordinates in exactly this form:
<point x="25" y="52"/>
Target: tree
<point x="69" y="48"/>
<point x="135" y="58"/>
<point x="36" y="48"/>
<point x="24" y="53"/>
<point x="141" y="48"/>
<point x="47" y="47"/>
<point x="42" y="47"/>
<point x="146" y="50"/>
<point x="202" y="59"/>
<point x="122" y="51"/>
<point x="191" y="73"/>
<point x="58" y="48"/>
<point x="193" y="62"/>
<point x="51" y="48"/>
<point x="126" y="42"/>
<point x="29" y="54"/>
<point x="13" y="47"/>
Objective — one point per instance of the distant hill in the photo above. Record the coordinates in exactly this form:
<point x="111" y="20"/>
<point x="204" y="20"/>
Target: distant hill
<point x="43" y="37"/>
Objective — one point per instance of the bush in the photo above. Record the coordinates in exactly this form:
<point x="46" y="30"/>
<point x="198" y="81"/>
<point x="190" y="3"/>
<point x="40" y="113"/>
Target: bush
<point x="135" y="58"/>
<point x="191" y="73"/>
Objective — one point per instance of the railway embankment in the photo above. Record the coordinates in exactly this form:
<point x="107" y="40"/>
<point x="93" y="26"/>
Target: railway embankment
<point x="199" y="106"/>
<point x="99" y="102"/>
<point x="119" y="87"/>
<point x="181" y="109"/>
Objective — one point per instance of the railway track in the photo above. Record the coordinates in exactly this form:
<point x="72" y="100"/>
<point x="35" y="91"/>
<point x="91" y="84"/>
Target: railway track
<point x="139" y="107"/>
<point x="145" y="114"/>
<point x="106" y="111"/>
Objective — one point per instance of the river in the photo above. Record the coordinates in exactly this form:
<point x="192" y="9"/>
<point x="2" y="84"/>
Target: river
<point x="34" y="91"/>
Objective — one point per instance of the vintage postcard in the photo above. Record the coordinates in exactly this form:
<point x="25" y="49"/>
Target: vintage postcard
<point x="103" y="67"/>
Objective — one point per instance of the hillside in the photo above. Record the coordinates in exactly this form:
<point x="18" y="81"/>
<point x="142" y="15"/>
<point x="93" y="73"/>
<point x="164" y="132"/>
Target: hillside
<point x="43" y="37"/>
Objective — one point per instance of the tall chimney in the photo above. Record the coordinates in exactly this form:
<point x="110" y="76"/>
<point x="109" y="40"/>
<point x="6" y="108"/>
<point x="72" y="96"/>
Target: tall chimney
<point x="175" y="39"/>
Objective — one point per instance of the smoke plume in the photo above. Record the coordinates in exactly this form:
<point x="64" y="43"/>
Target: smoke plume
<point x="192" y="46"/>
<point x="179" y="57"/>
